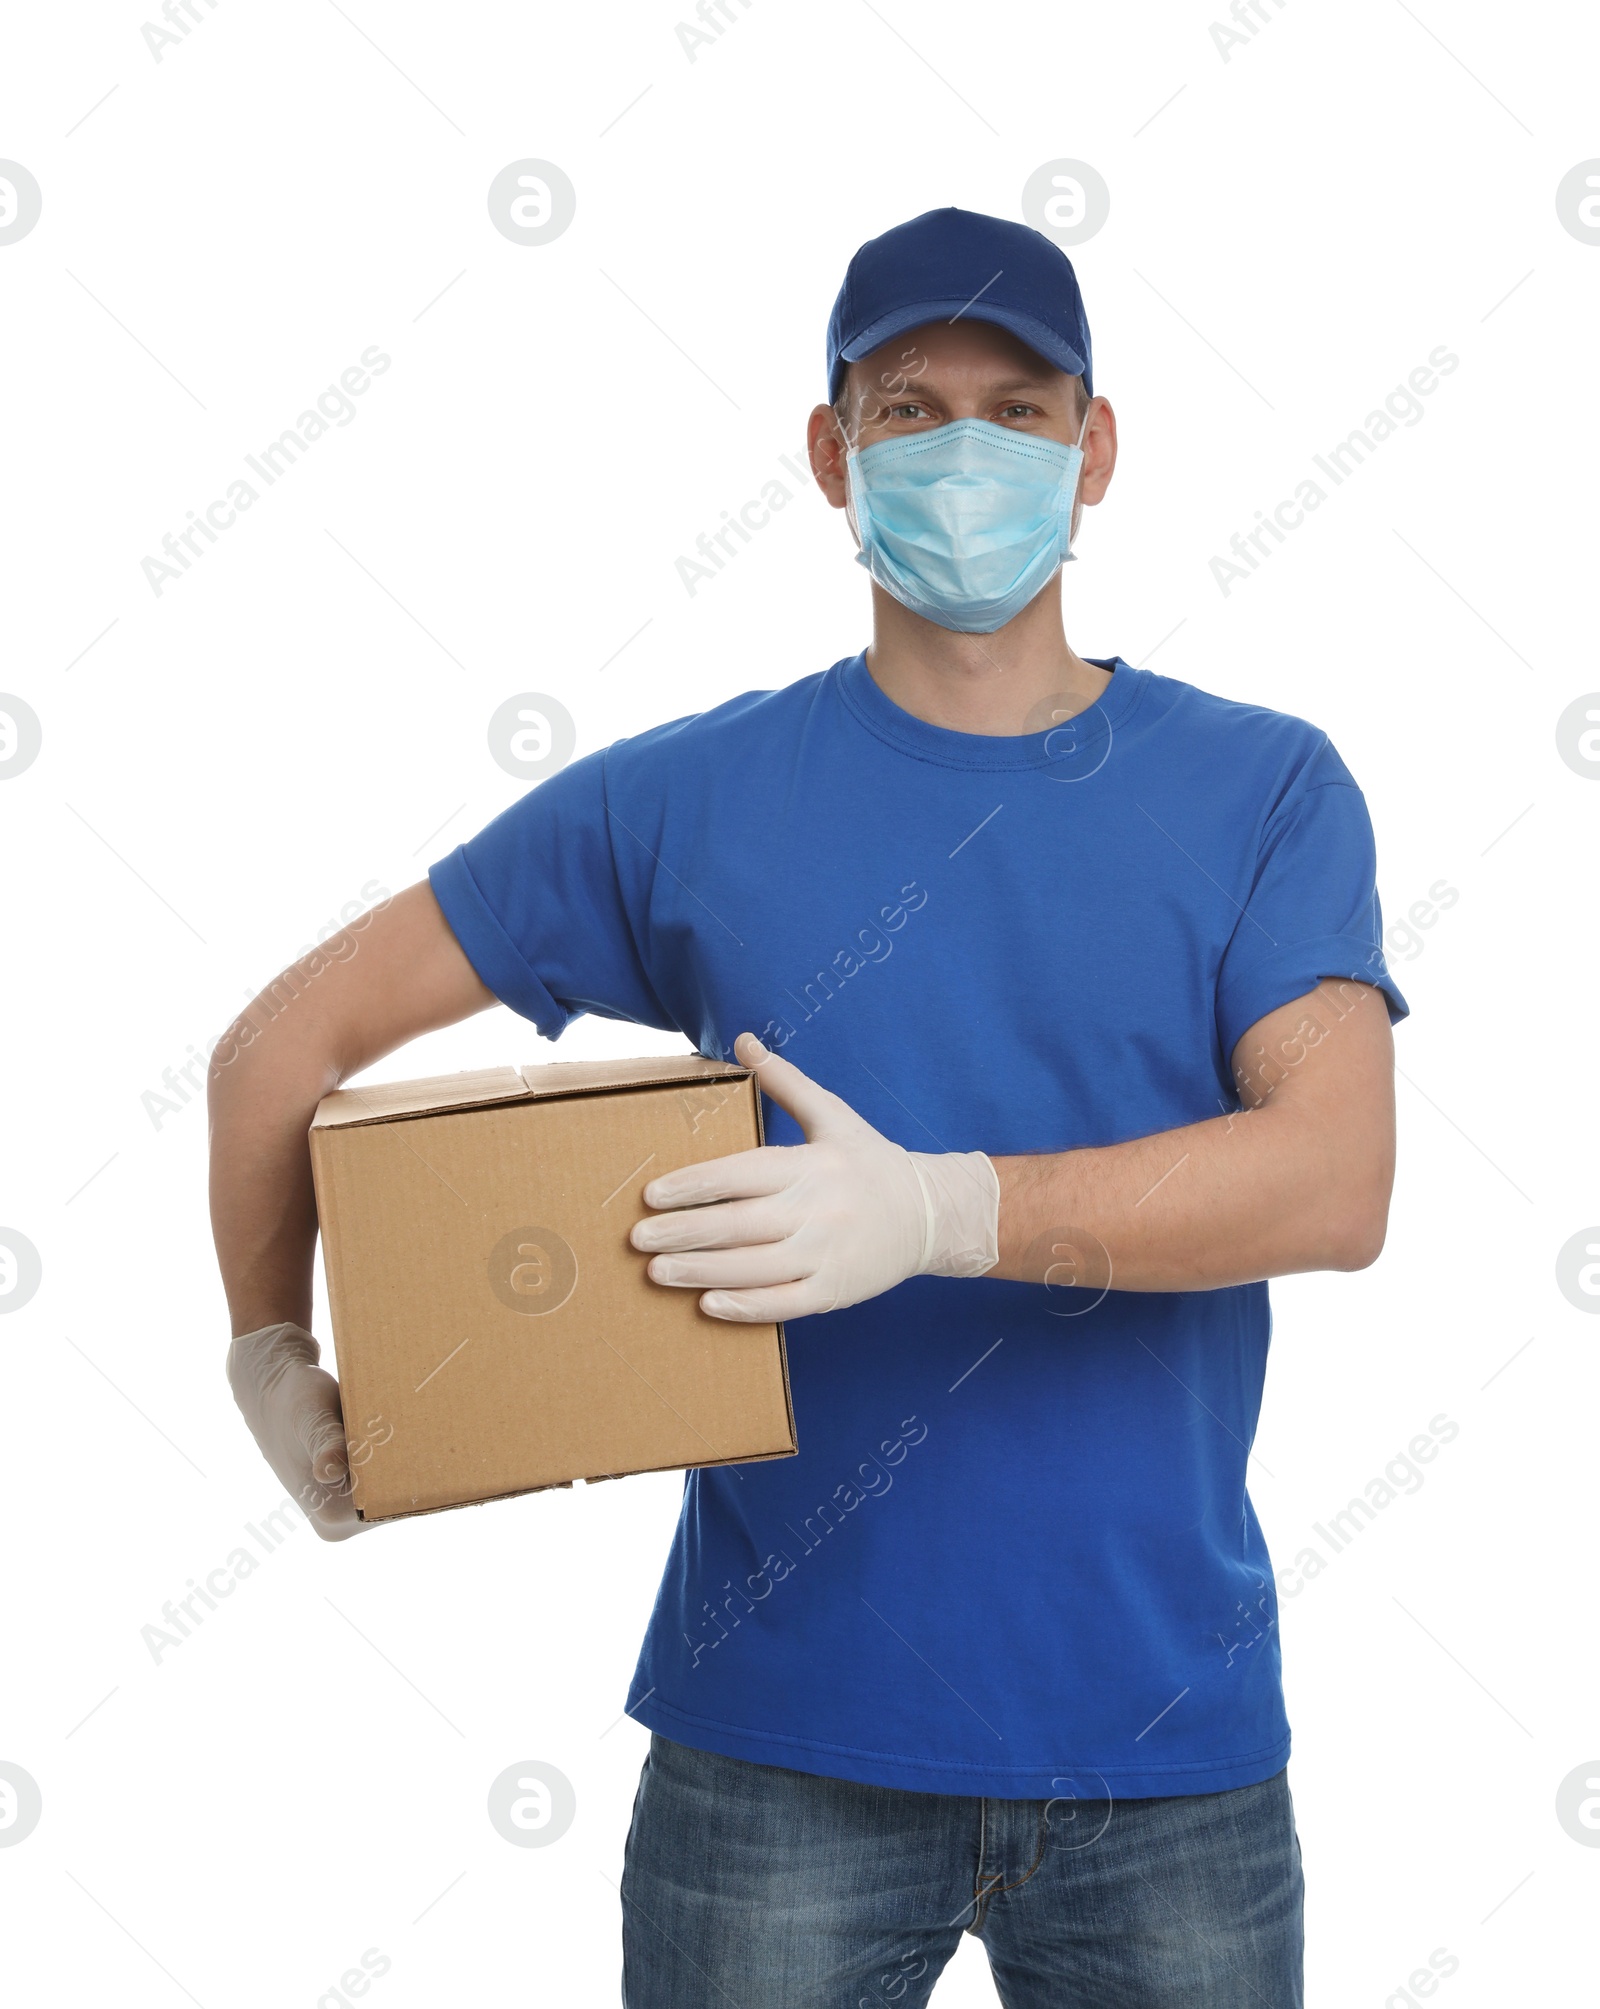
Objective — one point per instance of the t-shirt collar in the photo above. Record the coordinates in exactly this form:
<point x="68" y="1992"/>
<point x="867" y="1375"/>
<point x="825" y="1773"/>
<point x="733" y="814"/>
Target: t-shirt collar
<point x="1044" y="749"/>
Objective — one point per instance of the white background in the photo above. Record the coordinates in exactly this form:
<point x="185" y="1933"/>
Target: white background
<point x="225" y="765"/>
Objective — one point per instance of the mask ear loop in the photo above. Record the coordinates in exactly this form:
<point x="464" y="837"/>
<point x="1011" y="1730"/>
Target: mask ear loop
<point x="850" y="452"/>
<point x="852" y="510"/>
<point x="1077" y="481"/>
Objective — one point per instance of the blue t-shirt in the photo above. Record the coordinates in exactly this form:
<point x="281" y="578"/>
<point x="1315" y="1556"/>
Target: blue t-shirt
<point x="1015" y="1555"/>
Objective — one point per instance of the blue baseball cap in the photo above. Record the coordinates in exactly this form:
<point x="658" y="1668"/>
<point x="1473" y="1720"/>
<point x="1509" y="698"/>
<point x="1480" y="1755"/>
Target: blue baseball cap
<point x="952" y="264"/>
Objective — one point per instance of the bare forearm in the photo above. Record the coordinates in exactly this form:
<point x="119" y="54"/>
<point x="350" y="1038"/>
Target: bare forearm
<point x="395" y="972"/>
<point x="1226" y="1201"/>
<point x="263" y="1208"/>
<point x="1298" y="1180"/>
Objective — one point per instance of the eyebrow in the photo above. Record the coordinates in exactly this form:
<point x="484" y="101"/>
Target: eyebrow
<point x="910" y="394"/>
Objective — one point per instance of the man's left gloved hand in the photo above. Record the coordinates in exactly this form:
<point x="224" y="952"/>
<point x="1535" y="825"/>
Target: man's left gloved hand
<point x="788" y="1230"/>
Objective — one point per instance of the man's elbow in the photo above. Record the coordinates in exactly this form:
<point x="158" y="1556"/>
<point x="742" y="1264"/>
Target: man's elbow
<point x="1356" y="1235"/>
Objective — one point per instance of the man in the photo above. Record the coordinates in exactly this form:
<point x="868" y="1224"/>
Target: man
<point x="1075" y="1027"/>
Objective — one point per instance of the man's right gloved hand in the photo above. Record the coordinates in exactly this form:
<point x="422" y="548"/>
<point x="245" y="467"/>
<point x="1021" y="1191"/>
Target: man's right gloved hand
<point x="292" y="1407"/>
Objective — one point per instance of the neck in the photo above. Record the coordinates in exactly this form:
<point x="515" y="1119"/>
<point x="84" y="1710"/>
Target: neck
<point x="1025" y="677"/>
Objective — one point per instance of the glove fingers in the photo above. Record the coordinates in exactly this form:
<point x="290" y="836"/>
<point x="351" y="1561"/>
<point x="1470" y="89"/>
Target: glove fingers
<point x="292" y="1409"/>
<point x="768" y="1307"/>
<point x="733" y="1269"/>
<point x="326" y="1494"/>
<point x="318" y="1423"/>
<point x="743" y="1175"/>
<point x="812" y="1106"/>
<point x="734" y="1225"/>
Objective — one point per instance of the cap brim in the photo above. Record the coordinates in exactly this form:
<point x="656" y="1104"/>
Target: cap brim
<point x="1038" y="335"/>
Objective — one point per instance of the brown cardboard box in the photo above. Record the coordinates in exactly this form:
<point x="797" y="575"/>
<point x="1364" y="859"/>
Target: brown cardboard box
<point x="495" y="1329"/>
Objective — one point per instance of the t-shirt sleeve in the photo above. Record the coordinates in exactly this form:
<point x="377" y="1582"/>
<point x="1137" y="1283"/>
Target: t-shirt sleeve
<point x="537" y="905"/>
<point x="1313" y="908"/>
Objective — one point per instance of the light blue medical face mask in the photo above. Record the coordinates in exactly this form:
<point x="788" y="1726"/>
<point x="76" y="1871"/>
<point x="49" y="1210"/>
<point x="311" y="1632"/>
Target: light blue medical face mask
<point x="967" y="522"/>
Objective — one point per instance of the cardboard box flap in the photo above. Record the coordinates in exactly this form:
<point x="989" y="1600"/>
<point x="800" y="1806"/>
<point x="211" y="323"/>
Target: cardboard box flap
<point x="593" y="1077"/>
<point x="483" y="1087"/>
<point x="379" y="1101"/>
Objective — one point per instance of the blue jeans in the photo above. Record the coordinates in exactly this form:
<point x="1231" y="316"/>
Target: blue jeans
<point x="763" y="1888"/>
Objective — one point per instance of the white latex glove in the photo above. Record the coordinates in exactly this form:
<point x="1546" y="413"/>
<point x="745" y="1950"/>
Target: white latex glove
<point x="292" y="1407"/>
<point x="792" y="1229"/>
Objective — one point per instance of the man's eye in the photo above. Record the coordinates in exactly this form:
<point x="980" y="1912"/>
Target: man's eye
<point x="1019" y="411"/>
<point x="908" y="411"/>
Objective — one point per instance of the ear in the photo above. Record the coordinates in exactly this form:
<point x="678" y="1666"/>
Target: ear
<point x="825" y="445"/>
<point x="1099" y="452"/>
